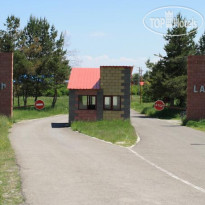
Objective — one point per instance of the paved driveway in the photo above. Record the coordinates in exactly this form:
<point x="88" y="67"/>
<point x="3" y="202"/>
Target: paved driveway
<point x="179" y="150"/>
<point x="60" y="167"/>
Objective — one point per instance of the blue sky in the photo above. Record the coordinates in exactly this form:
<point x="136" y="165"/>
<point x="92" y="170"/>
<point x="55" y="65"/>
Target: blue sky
<point x="108" y="32"/>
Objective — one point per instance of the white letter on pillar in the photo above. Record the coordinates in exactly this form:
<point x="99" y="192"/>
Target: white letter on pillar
<point x="2" y="86"/>
<point x="195" y="91"/>
<point x="202" y="90"/>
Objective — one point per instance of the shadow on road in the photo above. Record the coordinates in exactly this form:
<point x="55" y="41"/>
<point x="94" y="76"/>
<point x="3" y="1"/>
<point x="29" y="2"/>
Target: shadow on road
<point x="59" y="125"/>
<point x="197" y="144"/>
<point x="137" y="116"/>
<point x="171" y="125"/>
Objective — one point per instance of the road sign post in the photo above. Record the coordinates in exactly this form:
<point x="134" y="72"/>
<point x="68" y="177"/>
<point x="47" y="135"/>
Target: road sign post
<point x="39" y="104"/>
<point x="159" y="105"/>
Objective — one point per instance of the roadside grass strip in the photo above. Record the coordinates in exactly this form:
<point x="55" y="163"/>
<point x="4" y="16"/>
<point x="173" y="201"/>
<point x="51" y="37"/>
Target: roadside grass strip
<point x="199" y="125"/>
<point x="10" y="183"/>
<point x="119" y="132"/>
<point x="31" y="113"/>
<point x="167" y="113"/>
<point x="148" y="109"/>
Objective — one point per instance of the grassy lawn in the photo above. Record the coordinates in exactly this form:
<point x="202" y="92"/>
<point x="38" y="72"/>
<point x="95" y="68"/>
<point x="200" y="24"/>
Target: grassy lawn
<point x="199" y="125"/>
<point x="148" y="109"/>
<point x="118" y="132"/>
<point x="167" y="113"/>
<point x="31" y="113"/>
<point x="10" y="184"/>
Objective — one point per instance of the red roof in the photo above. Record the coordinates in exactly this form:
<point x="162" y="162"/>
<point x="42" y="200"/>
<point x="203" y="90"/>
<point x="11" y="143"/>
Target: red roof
<point x="84" y="78"/>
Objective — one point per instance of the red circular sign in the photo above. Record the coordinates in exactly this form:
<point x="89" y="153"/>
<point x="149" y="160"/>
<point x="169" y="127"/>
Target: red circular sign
<point x="39" y="104"/>
<point x="159" y="105"/>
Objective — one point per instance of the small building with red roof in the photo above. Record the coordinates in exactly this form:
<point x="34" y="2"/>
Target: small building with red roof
<point x="99" y="93"/>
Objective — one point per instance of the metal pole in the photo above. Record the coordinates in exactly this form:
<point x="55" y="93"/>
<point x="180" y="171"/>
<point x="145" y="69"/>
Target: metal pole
<point x="140" y="76"/>
<point x="140" y="94"/>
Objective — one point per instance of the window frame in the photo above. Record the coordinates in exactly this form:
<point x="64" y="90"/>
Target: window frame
<point x="88" y="101"/>
<point x="111" y="102"/>
<point x="104" y="102"/>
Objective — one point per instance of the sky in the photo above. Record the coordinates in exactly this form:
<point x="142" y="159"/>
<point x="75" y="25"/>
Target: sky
<point x="101" y="32"/>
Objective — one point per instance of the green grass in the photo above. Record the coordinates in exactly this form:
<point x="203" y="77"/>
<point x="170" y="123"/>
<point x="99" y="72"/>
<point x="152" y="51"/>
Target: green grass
<point x="148" y="109"/>
<point x="31" y="113"/>
<point x="10" y="183"/>
<point x="118" y="132"/>
<point x="167" y="113"/>
<point x="199" y="125"/>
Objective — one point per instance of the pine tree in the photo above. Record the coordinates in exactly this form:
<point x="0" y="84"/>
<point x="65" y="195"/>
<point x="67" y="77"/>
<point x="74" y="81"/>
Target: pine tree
<point x="9" y="37"/>
<point x="169" y="76"/>
<point x="46" y="53"/>
<point x="39" y="57"/>
<point x="201" y="45"/>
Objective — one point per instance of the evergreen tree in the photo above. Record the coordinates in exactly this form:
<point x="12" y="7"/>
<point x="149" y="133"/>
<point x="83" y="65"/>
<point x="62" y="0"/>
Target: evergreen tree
<point x="39" y="57"/>
<point x="168" y="77"/>
<point x="9" y="37"/>
<point x="201" y="45"/>
<point x="57" y="67"/>
<point x="135" y="79"/>
<point x="41" y="46"/>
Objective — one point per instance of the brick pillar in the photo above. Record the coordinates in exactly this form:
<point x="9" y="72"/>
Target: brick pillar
<point x="196" y="88"/>
<point x="126" y="93"/>
<point x="72" y="101"/>
<point x="99" y="104"/>
<point x="6" y="84"/>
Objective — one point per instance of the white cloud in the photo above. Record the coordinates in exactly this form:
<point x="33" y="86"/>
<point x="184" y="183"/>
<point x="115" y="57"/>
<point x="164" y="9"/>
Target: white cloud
<point x="98" y="34"/>
<point x="90" y="61"/>
<point x="67" y="36"/>
<point x="73" y="57"/>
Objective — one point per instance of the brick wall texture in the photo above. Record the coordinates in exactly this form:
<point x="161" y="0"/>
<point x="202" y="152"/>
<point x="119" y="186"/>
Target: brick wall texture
<point x="6" y="78"/>
<point x="74" y="113"/>
<point x="116" y="81"/>
<point x="195" y="88"/>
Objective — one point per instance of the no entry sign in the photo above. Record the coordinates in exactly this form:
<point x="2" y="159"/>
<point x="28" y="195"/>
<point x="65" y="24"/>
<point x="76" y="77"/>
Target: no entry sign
<point x="159" y="105"/>
<point x="39" y="104"/>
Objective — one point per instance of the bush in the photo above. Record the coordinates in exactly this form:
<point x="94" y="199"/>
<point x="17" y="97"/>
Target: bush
<point x="48" y="93"/>
<point x="134" y="89"/>
<point x="61" y="92"/>
<point x="147" y="94"/>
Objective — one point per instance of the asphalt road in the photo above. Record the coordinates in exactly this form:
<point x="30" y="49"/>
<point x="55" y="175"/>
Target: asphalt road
<point x="62" y="167"/>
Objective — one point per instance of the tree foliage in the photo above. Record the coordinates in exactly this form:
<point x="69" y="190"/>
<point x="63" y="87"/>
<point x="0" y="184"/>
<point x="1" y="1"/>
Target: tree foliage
<point x="135" y="79"/>
<point x="201" y="45"/>
<point x="168" y="77"/>
<point x="39" y="57"/>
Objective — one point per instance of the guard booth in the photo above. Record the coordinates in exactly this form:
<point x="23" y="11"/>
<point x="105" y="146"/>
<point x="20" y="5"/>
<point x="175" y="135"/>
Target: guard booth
<point x="99" y="93"/>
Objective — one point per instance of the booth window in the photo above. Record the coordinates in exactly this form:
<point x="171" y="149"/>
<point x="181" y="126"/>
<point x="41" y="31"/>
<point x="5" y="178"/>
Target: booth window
<point x="112" y="103"/>
<point x="116" y="103"/>
<point x="107" y="102"/>
<point x="87" y="102"/>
